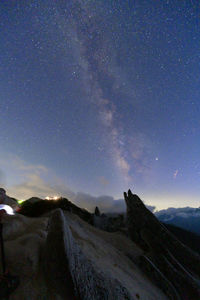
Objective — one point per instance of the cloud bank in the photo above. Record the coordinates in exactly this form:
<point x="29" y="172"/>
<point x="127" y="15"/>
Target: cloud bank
<point x="183" y="212"/>
<point x="186" y="217"/>
<point x="33" y="183"/>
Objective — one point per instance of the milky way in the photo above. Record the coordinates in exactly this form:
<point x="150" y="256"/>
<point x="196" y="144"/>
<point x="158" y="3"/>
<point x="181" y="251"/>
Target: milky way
<point x="99" y="96"/>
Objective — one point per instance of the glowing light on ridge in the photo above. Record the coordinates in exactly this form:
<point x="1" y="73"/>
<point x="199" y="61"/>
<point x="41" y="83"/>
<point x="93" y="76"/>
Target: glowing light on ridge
<point x="52" y="198"/>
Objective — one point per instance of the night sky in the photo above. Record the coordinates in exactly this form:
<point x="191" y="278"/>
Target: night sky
<point x="100" y="96"/>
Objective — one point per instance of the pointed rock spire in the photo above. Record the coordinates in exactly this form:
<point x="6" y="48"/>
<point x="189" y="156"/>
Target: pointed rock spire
<point x="97" y="212"/>
<point x="168" y="255"/>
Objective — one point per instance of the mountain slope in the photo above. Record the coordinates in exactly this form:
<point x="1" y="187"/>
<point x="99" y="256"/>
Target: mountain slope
<point x="188" y="238"/>
<point x="60" y="256"/>
<point x="164" y="254"/>
<point x="59" y="253"/>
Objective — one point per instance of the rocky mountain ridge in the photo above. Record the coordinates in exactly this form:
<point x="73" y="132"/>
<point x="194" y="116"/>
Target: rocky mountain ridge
<point x="70" y="253"/>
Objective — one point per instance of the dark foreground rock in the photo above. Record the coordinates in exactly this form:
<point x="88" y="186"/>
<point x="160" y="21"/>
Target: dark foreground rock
<point x="63" y="252"/>
<point x="172" y="265"/>
<point x="40" y="207"/>
<point x="70" y="272"/>
<point x="80" y="264"/>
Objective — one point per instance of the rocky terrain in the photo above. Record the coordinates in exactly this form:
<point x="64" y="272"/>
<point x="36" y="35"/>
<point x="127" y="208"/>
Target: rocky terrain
<point x="188" y="238"/>
<point x="60" y="251"/>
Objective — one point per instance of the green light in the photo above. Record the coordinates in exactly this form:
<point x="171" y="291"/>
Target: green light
<point x="20" y="201"/>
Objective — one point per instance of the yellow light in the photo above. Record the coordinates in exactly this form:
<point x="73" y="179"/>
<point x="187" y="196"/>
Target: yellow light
<point x="52" y="198"/>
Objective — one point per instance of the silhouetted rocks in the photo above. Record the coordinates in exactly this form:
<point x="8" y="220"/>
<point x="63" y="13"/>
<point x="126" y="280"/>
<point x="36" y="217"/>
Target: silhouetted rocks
<point x="32" y="200"/>
<point x="55" y="262"/>
<point x="79" y="266"/>
<point x="165" y="256"/>
<point x="4" y="199"/>
<point x="39" y="208"/>
<point x="188" y="238"/>
<point x="97" y="211"/>
<point x="2" y="194"/>
<point x="73" y="250"/>
<point x="108" y="222"/>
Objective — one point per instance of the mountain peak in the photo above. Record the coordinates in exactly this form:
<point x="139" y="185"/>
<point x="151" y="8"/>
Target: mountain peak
<point x="163" y="251"/>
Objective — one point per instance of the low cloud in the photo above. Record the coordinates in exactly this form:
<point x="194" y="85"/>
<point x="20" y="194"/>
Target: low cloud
<point x="17" y="164"/>
<point x="33" y="183"/>
<point x="186" y="217"/>
<point x="31" y="179"/>
<point x="172" y="213"/>
<point x="105" y="203"/>
<point x="36" y="186"/>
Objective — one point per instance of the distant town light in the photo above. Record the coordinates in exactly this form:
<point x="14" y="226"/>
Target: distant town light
<point x="52" y="198"/>
<point x="7" y="208"/>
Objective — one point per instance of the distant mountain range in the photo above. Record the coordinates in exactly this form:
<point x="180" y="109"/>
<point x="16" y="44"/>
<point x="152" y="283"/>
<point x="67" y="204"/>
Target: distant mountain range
<point x="187" y="218"/>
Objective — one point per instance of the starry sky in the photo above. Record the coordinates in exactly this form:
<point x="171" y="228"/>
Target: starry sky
<point x="98" y="96"/>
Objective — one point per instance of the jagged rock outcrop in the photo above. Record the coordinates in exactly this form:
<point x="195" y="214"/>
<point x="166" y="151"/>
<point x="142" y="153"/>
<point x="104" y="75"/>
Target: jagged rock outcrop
<point x="4" y="199"/>
<point x="2" y="194"/>
<point x="56" y="249"/>
<point x="62" y="257"/>
<point x="70" y="271"/>
<point x="97" y="211"/>
<point x="188" y="238"/>
<point x="109" y="223"/>
<point x="174" y="267"/>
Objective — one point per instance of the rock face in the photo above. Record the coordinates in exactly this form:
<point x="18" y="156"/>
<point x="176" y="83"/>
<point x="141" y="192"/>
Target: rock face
<point x="24" y="239"/>
<point x="83" y="265"/>
<point x="55" y="261"/>
<point x="70" y="271"/>
<point x="173" y="266"/>
<point x="41" y="207"/>
<point x="4" y="199"/>
<point x="63" y="252"/>
<point x="2" y="194"/>
<point x="32" y="200"/>
<point x="188" y="238"/>
<point x="61" y="257"/>
<point x="97" y="211"/>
